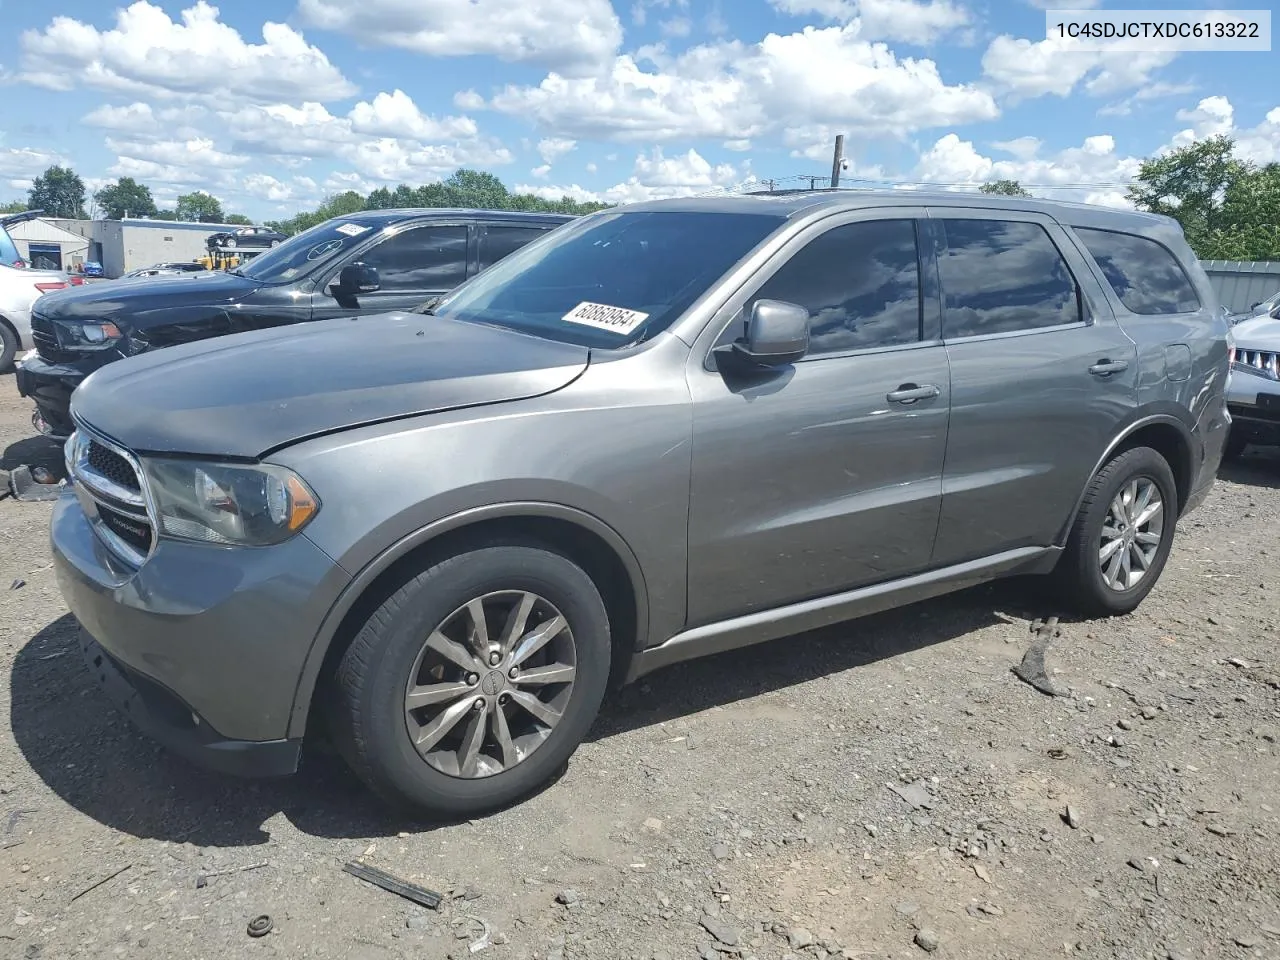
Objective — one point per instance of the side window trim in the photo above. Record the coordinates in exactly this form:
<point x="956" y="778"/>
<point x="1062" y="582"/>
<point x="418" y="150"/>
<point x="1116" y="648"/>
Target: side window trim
<point x="1084" y="311"/>
<point x="731" y="309"/>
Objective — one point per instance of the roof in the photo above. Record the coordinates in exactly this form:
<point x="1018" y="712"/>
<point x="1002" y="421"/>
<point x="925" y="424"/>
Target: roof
<point x="42" y="231"/>
<point x="466" y="213"/>
<point x="791" y="203"/>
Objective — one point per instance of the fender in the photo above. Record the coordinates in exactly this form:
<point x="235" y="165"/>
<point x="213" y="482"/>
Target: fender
<point x="1151" y="416"/>
<point x="372" y="570"/>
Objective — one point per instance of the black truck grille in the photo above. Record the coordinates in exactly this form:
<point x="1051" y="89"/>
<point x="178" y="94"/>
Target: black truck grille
<point x="132" y="530"/>
<point x="111" y="465"/>
<point x="44" y="334"/>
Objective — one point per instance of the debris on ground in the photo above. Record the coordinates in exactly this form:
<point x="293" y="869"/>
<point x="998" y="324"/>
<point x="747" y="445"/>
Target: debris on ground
<point x="17" y="584"/>
<point x="95" y="886"/>
<point x="392" y="884"/>
<point x="24" y="485"/>
<point x="479" y="941"/>
<point x="203" y="879"/>
<point x="916" y="794"/>
<point x="260" y="926"/>
<point x="1071" y="816"/>
<point x="927" y="940"/>
<point x="1032" y="670"/>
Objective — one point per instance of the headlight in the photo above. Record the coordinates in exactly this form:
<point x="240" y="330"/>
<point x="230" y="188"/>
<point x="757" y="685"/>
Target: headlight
<point x="248" y="505"/>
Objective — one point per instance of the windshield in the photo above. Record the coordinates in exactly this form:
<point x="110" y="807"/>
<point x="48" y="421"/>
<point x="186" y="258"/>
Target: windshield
<point x="8" y="251"/>
<point x="304" y="252"/>
<point x="611" y="279"/>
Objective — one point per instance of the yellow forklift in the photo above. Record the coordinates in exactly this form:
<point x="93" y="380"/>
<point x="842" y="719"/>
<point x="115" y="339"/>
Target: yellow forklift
<point x="219" y="259"/>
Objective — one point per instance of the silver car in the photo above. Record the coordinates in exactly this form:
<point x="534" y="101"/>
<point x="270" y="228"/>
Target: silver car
<point x="658" y="432"/>
<point x="1253" y="395"/>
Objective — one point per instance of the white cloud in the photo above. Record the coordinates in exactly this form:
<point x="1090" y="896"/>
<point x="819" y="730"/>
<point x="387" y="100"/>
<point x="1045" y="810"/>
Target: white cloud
<point x="468" y="100"/>
<point x="592" y="168"/>
<point x="1144" y="94"/>
<point x="396" y="115"/>
<point x="541" y="171"/>
<point x="1064" y="4"/>
<point x="1214" y="116"/>
<point x="198" y="154"/>
<point x="388" y="160"/>
<point x="24" y="163"/>
<point x="306" y="130"/>
<point x="676" y="27"/>
<point x="654" y="176"/>
<point x="911" y="21"/>
<point x="1025" y="69"/>
<point x="788" y="84"/>
<point x="1091" y="172"/>
<point x="147" y="52"/>
<point x="552" y="149"/>
<point x="573" y="192"/>
<point x="143" y="121"/>
<point x="572" y="36"/>
<point x="737" y="146"/>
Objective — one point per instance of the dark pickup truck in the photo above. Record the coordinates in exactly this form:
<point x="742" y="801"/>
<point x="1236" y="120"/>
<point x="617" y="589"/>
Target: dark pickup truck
<point x="364" y="263"/>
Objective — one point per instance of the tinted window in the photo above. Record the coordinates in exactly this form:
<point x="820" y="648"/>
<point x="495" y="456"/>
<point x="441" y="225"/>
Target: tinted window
<point x="1145" y="276"/>
<point x="306" y="251"/>
<point x="612" y="278"/>
<point x="498" y="242"/>
<point x="1002" y="275"/>
<point x="421" y="258"/>
<point x="859" y="282"/>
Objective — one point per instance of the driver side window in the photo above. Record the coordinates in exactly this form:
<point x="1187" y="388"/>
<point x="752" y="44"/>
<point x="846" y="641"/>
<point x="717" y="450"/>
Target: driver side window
<point x="860" y="283"/>
<point x="421" y="259"/>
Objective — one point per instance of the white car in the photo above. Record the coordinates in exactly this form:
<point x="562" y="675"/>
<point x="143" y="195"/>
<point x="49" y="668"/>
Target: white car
<point x="20" y="286"/>
<point x="1253" y="394"/>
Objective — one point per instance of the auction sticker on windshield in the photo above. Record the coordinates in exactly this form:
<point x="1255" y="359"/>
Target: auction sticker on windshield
<point x="351" y="229"/>
<point x="604" y="317"/>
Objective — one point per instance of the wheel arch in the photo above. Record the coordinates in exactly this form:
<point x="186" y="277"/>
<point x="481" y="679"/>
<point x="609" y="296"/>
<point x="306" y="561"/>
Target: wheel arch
<point x="583" y="537"/>
<point x="1165" y="433"/>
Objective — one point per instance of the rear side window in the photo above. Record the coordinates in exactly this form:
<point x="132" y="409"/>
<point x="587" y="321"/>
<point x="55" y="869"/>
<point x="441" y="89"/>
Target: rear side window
<point x="1145" y="275"/>
<point x="860" y="283"/>
<point x="499" y="241"/>
<point x="1002" y="276"/>
<point x="421" y="259"/>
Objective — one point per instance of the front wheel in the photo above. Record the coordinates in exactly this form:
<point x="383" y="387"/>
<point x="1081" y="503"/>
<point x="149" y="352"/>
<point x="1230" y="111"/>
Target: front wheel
<point x="471" y="685"/>
<point x="1122" y="535"/>
<point x="8" y="348"/>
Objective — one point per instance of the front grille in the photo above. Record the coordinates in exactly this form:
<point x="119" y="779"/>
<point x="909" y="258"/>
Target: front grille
<point x="112" y="466"/>
<point x="132" y="530"/>
<point x="1266" y="362"/>
<point x="44" y="334"/>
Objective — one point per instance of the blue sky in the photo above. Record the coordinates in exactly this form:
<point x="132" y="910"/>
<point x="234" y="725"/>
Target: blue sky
<point x="271" y="105"/>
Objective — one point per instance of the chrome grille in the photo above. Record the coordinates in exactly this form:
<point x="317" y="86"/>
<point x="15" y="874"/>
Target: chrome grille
<point x="1265" y="362"/>
<point x="112" y="490"/>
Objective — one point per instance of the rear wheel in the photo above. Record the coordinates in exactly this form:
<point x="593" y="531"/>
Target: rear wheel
<point x="1122" y="535"/>
<point x="8" y="347"/>
<point x="472" y="684"/>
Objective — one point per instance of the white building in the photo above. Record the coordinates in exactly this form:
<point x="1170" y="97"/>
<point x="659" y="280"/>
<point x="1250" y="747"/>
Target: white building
<point x="47" y="246"/>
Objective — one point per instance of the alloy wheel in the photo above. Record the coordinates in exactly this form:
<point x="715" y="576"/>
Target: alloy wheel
<point x="1131" y="534"/>
<point x="490" y="684"/>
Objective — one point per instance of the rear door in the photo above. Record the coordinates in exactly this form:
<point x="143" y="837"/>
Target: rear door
<point x="1042" y="376"/>
<point x="415" y="262"/>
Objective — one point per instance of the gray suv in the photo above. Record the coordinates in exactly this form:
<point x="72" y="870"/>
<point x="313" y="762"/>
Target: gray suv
<point x="658" y="432"/>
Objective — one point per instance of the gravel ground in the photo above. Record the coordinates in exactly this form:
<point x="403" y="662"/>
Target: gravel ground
<point x="886" y="789"/>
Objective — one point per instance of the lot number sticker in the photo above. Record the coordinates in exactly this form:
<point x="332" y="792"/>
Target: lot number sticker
<point x="351" y="229"/>
<point x="604" y="317"/>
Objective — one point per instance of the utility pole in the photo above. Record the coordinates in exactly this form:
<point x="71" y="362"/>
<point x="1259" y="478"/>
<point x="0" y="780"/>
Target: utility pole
<point x="836" y="161"/>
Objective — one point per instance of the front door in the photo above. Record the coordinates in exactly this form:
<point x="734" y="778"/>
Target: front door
<point x="1041" y="378"/>
<point x="415" y="262"/>
<point x="825" y="475"/>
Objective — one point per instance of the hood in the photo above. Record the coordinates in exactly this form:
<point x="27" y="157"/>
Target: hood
<point x="1257" y="333"/>
<point x="117" y="300"/>
<point x="247" y="394"/>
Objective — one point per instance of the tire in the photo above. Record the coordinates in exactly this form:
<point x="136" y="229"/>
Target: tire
<point x="369" y="710"/>
<point x="275" y="243"/>
<point x="229" y="244"/>
<point x="1234" y="447"/>
<point x="1080" y="572"/>
<point x="8" y="348"/>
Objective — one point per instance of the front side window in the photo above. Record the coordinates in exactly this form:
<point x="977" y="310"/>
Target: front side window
<point x="498" y="242"/>
<point x="1144" y="274"/>
<point x="1002" y="276"/>
<point x="860" y="283"/>
<point x="610" y="279"/>
<point x="421" y="259"/>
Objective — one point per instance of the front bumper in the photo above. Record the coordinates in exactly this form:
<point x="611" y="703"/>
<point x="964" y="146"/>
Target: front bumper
<point x="1254" y="403"/>
<point x="50" y="385"/>
<point x="202" y="646"/>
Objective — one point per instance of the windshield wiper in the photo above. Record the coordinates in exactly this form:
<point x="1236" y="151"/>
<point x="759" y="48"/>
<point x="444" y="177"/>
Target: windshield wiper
<point x="429" y="307"/>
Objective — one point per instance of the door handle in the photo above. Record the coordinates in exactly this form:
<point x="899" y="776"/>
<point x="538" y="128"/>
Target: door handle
<point x="1105" y="368"/>
<point x="910" y="393"/>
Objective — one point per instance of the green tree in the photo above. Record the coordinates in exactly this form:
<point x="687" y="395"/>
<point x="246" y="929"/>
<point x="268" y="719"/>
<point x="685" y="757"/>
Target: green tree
<point x="165" y="213"/>
<point x="1006" y="188"/>
<point x="59" y="192"/>
<point x="471" y="188"/>
<point x="237" y="218"/>
<point x="125" y="197"/>
<point x="199" y="207"/>
<point x="14" y="206"/>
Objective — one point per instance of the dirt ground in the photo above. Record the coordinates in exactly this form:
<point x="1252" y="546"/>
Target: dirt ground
<point x="742" y="806"/>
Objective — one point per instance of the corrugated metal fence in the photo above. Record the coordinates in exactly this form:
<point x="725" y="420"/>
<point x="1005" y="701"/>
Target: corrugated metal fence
<point x="1241" y="285"/>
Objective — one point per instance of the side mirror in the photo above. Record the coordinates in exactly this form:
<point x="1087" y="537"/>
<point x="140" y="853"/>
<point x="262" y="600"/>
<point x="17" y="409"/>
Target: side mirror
<point x="777" y="334"/>
<point x="1256" y="305"/>
<point x="355" y="279"/>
